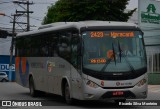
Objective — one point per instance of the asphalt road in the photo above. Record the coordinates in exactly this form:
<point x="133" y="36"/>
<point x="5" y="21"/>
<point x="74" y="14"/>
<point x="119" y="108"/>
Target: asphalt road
<point x="13" y="91"/>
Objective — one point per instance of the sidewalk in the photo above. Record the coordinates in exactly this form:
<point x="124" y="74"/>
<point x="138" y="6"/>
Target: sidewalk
<point x="154" y="88"/>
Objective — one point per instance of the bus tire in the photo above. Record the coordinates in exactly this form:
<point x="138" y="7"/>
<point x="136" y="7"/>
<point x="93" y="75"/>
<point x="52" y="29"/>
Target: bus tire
<point x="67" y="96"/>
<point x="4" y="80"/>
<point x="32" y="90"/>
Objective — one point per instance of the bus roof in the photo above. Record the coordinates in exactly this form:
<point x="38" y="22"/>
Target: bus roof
<point x="78" y="25"/>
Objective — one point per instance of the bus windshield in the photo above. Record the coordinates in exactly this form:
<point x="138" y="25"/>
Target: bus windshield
<point x="113" y="51"/>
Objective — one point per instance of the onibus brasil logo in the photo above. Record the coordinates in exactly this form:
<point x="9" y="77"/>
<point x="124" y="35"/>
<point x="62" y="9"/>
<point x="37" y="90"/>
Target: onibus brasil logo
<point x="150" y="16"/>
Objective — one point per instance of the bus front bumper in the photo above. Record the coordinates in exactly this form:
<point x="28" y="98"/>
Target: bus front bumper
<point x="135" y="92"/>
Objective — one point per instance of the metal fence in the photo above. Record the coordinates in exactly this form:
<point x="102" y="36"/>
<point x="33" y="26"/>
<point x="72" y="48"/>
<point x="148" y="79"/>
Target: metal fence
<point x="153" y="60"/>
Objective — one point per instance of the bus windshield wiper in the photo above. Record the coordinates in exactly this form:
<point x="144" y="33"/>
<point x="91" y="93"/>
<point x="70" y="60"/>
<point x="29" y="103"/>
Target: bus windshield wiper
<point x="128" y="63"/>
<point x="109" y="60"/>
<point x="114" y="53"/>
<point x="120" y="55"/>
<point x="120" y="51"/>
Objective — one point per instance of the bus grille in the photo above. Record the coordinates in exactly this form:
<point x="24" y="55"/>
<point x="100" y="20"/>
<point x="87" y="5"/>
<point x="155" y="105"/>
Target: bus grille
<point x="117" y="87"/>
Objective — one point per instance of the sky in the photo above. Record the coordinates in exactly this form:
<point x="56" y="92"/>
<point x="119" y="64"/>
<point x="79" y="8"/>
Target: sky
<point x="40" y="10"/>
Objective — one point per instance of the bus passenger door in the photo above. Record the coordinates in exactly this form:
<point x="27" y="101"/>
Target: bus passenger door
<point x="50" y="84"/>
<point x="76" y="80"/>
<point x="50" y="76"/>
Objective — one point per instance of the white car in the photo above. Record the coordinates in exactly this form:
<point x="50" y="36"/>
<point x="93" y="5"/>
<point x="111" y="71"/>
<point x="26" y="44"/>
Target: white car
<point x="3" y="77"/>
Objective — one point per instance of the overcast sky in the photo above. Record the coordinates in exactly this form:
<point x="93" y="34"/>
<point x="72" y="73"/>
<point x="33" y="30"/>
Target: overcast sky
<point x="40" y="9"/>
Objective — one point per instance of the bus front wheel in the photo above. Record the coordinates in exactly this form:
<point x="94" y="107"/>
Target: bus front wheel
<point x="67" y="96"/>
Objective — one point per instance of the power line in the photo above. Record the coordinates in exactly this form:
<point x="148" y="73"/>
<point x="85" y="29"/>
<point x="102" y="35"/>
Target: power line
<point x="5" y="42"/>
<point x="4" y="24"/>
<point x="7" y="7"/>
<point x="5" y="2"/>
<point x="43" y="3"/>
<point x="26" y="10"/>
<point x="35" y="18"/>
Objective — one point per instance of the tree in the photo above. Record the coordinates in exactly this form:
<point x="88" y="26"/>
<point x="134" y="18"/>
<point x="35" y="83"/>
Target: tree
<point x="79" y="10"/>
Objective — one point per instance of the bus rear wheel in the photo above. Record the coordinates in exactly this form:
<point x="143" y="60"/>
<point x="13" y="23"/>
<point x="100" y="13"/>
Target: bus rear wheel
<point x="67" y="96"/>
<point x="33" y="92"/>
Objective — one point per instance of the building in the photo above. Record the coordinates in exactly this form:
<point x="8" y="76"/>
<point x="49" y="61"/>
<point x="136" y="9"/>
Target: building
<point x="5" y="44"/>
<point x="4" y="66"/>
<point x="148" y="18"/>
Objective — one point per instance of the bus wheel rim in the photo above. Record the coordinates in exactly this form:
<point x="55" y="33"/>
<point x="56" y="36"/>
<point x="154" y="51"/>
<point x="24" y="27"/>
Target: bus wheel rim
<point x="31" y="88"/>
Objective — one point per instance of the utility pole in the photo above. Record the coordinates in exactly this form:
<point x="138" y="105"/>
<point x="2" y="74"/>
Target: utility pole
<point x="28" y="24"/>
<point x="26" y="11"/>
<point x="11" y="48"/>
<point x="13" y="36"/>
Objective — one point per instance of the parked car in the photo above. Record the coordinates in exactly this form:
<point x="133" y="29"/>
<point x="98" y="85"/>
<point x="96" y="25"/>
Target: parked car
<point x="3" y="77"/>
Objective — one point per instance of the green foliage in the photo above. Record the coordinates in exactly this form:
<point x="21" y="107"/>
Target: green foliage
<point x="80" y="10"/>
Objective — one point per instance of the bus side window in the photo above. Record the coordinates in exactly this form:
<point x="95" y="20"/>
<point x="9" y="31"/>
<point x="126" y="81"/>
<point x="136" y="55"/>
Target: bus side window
<point x="64" y="49"/>
<point x="52" y="48"/>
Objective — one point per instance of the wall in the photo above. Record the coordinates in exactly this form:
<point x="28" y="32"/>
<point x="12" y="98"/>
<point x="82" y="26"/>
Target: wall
<point x="4" y="66"/>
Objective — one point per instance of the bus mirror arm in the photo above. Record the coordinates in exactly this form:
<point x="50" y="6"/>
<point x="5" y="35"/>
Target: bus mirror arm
<point x="142" y="33"/>
<point x="80" y="50"/>
<point x="80" y="46"/>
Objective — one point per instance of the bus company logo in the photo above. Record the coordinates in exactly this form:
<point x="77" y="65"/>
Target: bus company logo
<point x="150" y="16"/>
<point x="123" y="84"/>
<point x="118" y="83"/>
<point x="102" y="83"/>
<point x="23" y="66"/>
<point x="50" y="66"/>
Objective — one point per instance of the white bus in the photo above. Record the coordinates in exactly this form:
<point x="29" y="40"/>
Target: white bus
<point x="83" y="60"/>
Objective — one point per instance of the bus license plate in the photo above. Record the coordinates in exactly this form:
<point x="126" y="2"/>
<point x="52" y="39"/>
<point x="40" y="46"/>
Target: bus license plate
<point x="117" y="93"/>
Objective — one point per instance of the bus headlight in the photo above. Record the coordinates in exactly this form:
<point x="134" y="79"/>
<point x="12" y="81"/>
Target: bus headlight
<point x="141" y="82"/>
<point x="92" y="84"/>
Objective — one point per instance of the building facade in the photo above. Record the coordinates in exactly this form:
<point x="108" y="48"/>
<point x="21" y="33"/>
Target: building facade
<point x="148" y="18"/>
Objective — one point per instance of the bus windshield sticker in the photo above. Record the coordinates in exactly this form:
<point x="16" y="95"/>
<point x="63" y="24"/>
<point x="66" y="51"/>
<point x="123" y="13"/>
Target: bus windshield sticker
<point x="98" y="61"/>
<point x="110" y="54"/>
<point x="84" y="34"/>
